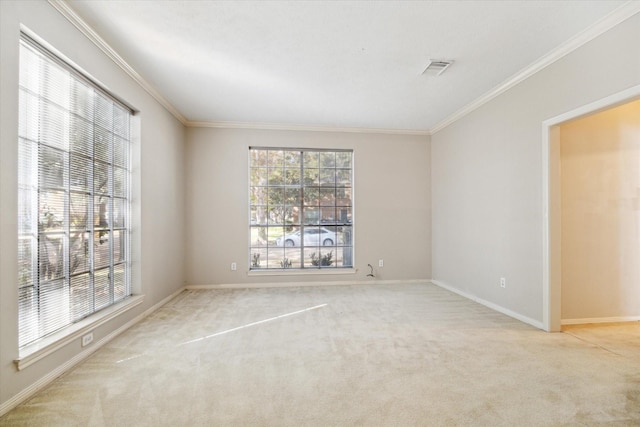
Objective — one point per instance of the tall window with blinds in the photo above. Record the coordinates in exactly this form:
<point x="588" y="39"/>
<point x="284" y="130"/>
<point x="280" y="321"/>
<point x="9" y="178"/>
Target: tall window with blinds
<point x="301" y="208"/>
<point x="73" y="201"/>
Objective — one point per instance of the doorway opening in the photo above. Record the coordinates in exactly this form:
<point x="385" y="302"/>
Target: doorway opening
<point x="552" y="199"/>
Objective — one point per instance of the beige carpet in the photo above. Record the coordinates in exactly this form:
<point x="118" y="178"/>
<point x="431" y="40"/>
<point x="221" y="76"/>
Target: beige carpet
<point x="397" y="355"/>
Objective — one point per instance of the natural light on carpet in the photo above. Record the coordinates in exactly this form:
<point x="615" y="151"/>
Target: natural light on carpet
<point x="248" y="325"/>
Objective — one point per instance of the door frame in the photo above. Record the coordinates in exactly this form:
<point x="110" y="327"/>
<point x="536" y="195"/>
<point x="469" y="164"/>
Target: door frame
<point x="551" y="198"/>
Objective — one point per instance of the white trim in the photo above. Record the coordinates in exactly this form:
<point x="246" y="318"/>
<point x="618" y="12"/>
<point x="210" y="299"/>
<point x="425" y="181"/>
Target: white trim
<point x="302" y="284"/>
<point x="60" y="370"/>
<point x="551" y="319"/>
<point x="546" y="264"/>
<point x="606" y="103"/>
<point x="307" y="128"/>
<point x="67" y="11"/>
<point x="39" y="350"/>
<point x="289" y="272"/>
<point x="44" y="381"/>
<point x="611" y="20"/>
<point x="160" y="304"/>
<point x="496" y="307"/>
<point x="28" y="392"/>
<point x="59" y="56"/>
<point x="619" y="15"/>
<point x="601" y="320"/>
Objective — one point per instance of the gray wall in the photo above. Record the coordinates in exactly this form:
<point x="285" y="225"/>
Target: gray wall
<point x="158" y="180"/>
<point x="487" y="173"/>
<point x="392" y="203"/>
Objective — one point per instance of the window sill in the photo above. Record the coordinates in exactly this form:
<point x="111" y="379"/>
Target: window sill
<point x="32" y="353"/>
<point x="301" y="272"/>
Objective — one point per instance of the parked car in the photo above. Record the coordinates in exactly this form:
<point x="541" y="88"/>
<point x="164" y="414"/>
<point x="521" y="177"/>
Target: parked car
<point x="313" y="236"/>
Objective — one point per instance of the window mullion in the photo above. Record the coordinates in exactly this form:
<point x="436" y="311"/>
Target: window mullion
<point x="320" y="222"/>
<point x="110" y="208"/>
<point x="36" y="157"/>
<point x="92" y="210"/>
<point x="301" y="216"/>
<point x="66" y="225"/>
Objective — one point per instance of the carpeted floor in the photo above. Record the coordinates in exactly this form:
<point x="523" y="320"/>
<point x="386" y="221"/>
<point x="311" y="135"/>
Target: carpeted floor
<point x="376" y="355"/>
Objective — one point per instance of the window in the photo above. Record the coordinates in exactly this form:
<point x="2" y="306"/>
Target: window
<point x="73" y="201"/>
<point x="301" y="208"/>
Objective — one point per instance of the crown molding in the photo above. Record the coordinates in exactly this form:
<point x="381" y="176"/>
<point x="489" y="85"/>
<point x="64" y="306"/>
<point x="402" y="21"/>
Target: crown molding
<point x="619" y="15"/>
<point x="66" y="11"/>
<point x="63" y="7"/>
<point x="293" y="127"/>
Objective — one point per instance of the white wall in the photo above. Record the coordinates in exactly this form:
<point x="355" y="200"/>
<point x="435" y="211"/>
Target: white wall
<point x="487" y="174"/>
<point x="158" y="180"/>
<point x="600" y="187"/>
<point x="391" y="199"/>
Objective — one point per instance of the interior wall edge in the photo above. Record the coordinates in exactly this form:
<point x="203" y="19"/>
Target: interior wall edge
<point x="67" y="11"/>
<point x="304" y="128"/>
<point x="533" y="322"/>
<point x="257" y="285"/>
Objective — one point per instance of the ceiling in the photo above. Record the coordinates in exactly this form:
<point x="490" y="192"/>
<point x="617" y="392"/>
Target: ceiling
<point x="338" y="64"/>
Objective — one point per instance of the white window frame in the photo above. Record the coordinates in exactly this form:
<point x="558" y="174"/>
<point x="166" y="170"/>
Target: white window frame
<point x="114" y="223"/>
<point x="333" y="215"/>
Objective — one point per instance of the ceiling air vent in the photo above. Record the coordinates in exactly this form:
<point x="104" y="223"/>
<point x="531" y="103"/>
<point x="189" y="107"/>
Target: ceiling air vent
<point x="436" y="67"/>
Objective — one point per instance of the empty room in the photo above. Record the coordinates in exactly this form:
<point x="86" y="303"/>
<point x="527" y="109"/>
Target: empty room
<point x="285" y="213"/>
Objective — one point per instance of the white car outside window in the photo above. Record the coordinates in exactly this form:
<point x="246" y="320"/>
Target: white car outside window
<point x="313" y="236"/>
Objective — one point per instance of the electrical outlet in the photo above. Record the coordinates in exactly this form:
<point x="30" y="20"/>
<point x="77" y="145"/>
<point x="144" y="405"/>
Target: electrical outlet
<point x="87" y="339"/>
<point x="234" y="266"/>
<point x="380" y="263"/>
<point x="503" y="282"/>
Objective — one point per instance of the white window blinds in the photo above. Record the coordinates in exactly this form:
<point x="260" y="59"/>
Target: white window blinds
<point x="73" y="196"/>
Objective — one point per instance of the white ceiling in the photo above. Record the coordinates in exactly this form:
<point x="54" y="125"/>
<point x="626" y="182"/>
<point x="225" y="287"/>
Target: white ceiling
<point x="339" y="64"/>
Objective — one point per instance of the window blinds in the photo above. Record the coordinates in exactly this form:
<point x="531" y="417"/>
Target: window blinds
<point x="73" y="196"/>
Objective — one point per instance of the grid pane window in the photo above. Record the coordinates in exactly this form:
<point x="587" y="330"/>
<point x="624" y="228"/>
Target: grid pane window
<point x="73" y="206"/>
<point x="301" y="208"/>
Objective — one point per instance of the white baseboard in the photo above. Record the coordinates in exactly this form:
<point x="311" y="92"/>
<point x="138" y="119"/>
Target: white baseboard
<point x="64" y="368"/>
<point x="600" y="320"/>
<point x="496" y="307"/>
<point x="303" y="284"/>
<point x="43" y="348"/>
<point x="160" y="304"/>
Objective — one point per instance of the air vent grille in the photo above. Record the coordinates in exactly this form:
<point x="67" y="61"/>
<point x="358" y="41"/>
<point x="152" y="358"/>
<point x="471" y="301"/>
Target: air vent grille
<point x="437" y="66"/>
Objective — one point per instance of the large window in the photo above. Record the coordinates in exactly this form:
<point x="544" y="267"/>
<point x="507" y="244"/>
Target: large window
<point x="73" y="201"/>
<point x="301" y="208"/>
